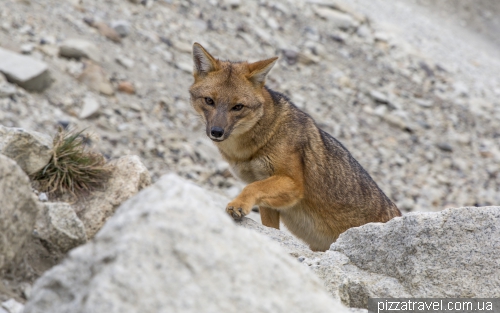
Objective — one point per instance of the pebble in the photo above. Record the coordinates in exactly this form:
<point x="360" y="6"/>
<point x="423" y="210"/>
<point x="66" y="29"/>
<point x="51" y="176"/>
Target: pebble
<point x="307" y="58"/>
<point x="96" y="79"/>
<point x="337" y="19"/>
<point x="126" y="87"/>
<point x="43" y="197"/>
<point x="423" y="103"/>
<point x="7" y="90"/>
<point x="79" y="48"/>
<point x="125" y="62"/>
<point x="107" y="31"/>
<point x="90" y="107"/>
<point x="445" y="146"/>
<point x="122" y="27"/>
<point x="12" y="306"/>
<point x="25" y="71"/>
<point x="291" y="56"/>
<point x="27" y="48"/>
<point x="379" y="96"/>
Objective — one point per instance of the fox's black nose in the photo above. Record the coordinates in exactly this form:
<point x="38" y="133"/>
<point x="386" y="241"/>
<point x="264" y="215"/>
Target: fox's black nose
<point x="217" y="132"/>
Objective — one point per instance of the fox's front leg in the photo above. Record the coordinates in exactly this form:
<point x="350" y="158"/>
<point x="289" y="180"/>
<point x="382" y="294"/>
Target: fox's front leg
<point x="274" y="192"/>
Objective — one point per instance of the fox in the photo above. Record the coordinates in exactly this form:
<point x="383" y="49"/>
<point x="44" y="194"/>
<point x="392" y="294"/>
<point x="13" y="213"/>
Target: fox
<point x="295" y="172"/>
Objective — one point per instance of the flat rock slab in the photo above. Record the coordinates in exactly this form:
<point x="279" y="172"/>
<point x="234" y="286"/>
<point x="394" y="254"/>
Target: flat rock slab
<point x="30" y="149"/>
<point x="25" y="71"/>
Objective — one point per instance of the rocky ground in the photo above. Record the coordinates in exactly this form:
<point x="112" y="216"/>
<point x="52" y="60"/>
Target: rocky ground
<point x="409" y="113"/>
<point x="411" y="89"/>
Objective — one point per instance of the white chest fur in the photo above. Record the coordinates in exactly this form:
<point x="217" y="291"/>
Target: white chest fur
<point x="251" y="170"/>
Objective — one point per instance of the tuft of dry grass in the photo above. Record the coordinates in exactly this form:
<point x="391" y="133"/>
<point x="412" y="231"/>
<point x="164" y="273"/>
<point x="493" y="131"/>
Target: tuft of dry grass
<point x="73" y="168"/>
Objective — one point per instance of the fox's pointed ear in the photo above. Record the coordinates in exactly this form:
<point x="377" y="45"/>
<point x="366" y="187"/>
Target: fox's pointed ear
<point x="204" y="63"/>
<point x="259" y="70"/>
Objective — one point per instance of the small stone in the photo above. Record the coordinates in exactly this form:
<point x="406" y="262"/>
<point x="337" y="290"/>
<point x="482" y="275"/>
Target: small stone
<point x="90" y="107"/>
<point x="423" y="103"/>
<point x="233" y="4"/>
<point x="461" y="89"/>
<point x="126" y="87"/>
<point x="96" y="79"/>
<point x="308" y="58"/>
<point x="43" y="197"/>
<point x="79" y="48"/>
<point x="186" y="67"/>
<point x="27" y="72"/>
<point x="445" y="146"/>
<point x="12" y="306"/>
<point x="125" y="62"/>
<point x="108" y="32"/>
<point x="379" y="96"/>
<point x="31" y="150"/>
<point x="182" y="46"/>
<point x="291" y="56"/>
<point x="406" y="205"/>
<point x="339" y="20"/>
<point x="122" y="27"/>
<point x="48" y="40"/>
<point x="58" y="225"/>
<point x="7" y="90"/>
<point x="27" y="48"/>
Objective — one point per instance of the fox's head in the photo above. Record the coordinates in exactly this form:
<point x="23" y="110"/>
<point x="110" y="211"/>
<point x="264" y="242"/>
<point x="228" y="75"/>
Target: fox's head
<point x="228" y="95"/>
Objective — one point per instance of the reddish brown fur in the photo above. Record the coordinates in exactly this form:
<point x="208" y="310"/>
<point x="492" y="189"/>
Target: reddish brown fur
<point x="294" y="170"/>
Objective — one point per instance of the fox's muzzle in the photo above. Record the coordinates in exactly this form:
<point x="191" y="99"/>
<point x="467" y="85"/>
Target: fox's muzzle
<point x="216" y="132"/>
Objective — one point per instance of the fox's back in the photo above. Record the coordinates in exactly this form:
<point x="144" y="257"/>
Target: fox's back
<point x="338" y="192"/>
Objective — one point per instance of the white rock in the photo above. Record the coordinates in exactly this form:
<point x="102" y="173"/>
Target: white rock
<point x="125" y="62"/>
<point x="25" y="71"/>
<point x="452" y="253"/>
<point x="31" y="150"/>
<point x="27" y="48"/>
<point x="12" y="306"/>
<point x="129" y="176"/>
<point x="7" y="90"/>
<point x="18" y="209"/>
<point x="337" y="19"/>
<point x="90" y="107"/>
<point x="122" y="27"/>
<point x="79" y="48"/>
<point x="58" y="225"/>
<point x="43" y="197"/>
<point x="172" y="248"/>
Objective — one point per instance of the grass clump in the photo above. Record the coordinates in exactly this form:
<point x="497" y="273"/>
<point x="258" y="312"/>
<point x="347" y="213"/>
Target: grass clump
<point x="73" y="168"/>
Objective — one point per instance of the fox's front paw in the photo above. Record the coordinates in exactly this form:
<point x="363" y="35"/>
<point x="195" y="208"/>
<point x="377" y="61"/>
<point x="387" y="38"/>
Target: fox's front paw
<point x="238" y="209"/>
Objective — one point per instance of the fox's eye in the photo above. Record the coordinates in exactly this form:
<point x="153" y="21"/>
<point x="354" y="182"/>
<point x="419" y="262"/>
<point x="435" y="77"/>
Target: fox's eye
<point x="209" y="101"/>
<point x="238" y="107"/>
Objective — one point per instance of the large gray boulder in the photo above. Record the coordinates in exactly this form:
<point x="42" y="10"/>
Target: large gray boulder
<point x="172" y="248"/>
<point x="452" y="253"/>
<point x="30" y="149"/>
<point x="18" y="209"/>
